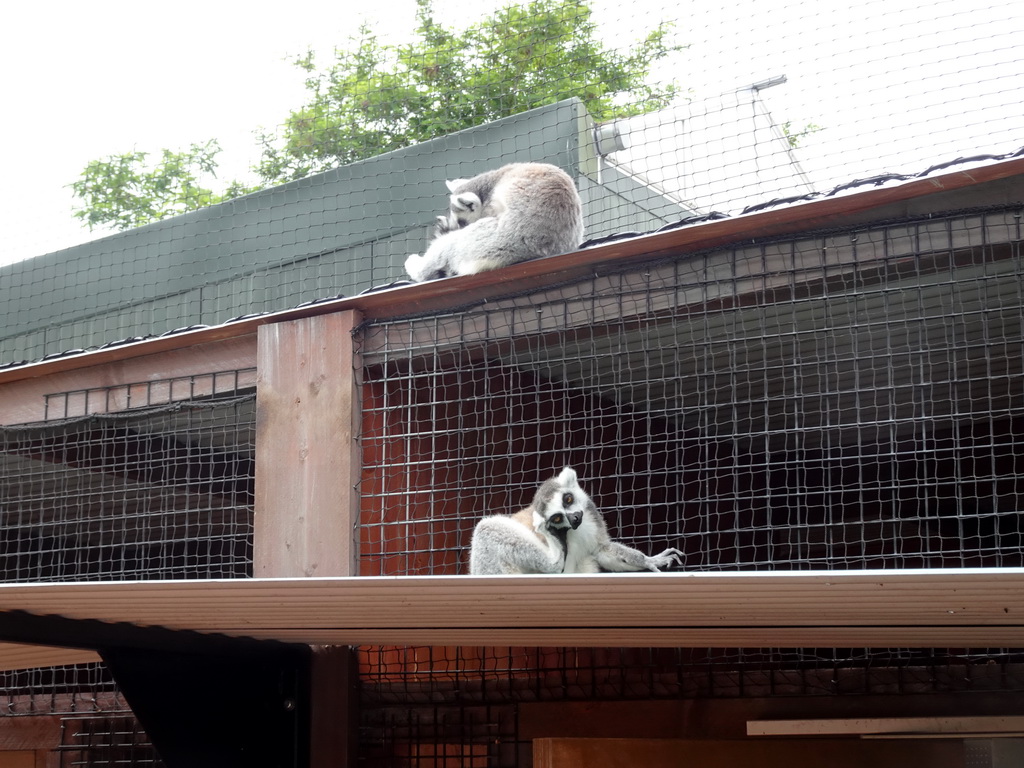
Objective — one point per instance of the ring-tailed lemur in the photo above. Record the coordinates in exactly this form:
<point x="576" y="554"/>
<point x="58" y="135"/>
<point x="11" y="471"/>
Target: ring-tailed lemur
<point x="518" y="212"/>
<point x="561" y="512"/>
<point x="530" y="541"/>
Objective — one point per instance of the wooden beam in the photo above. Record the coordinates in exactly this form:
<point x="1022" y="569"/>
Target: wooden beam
<point x="925" y="608"/>
<point x="789" y="753"/>
<point x="307" y="460"/>
<point x="18" y="656"/>
<point x="711" y="717"/>
<point x="334" y="704"/>
<point x="23" y="398"/>
<point x="1010" y="724"/>
<point x="306" y="505"/>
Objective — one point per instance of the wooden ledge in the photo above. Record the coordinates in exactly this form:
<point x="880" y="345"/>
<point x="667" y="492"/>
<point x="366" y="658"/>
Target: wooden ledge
<point x="914" y="608"/>
<point x="17" y="656"/>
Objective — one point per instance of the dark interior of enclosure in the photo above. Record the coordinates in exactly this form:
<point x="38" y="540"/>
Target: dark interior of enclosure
<point x="163" y="492"/>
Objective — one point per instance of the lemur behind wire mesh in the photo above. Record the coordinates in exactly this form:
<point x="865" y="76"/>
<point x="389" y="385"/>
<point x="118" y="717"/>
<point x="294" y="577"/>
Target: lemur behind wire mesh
<point x="560" y="532"/>
<point x="518" y="212"/>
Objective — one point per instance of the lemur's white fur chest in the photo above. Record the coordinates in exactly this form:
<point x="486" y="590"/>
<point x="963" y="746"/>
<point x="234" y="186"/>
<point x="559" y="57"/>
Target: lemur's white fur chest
<point x="582" y="543"/>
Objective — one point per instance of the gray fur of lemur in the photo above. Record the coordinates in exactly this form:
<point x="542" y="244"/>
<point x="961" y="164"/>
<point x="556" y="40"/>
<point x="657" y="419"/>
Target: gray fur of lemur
<point x="580" y="529"/>
<point x="533" y="540"/>
<point x="515" y="213"/>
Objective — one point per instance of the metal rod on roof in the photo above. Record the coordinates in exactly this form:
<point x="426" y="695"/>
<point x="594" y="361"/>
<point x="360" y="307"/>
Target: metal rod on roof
<point x="771" y="82"/>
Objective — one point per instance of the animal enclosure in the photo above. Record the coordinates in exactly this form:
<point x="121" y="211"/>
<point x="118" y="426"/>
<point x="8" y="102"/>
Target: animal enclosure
<point x="767" y="353"/>
<point x="844" y="400"/>
<point x="839" y="399"/>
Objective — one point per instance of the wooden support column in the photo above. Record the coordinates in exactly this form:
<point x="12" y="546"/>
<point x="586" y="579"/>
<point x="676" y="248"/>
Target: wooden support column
<point x="306" y="516"/>
<point x="307" y="458"/>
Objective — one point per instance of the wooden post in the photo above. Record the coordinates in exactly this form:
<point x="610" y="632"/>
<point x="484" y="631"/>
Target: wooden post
<point x="334" y="707"/>
<point x="307" y="457"/>
<point x="307" y="467"/>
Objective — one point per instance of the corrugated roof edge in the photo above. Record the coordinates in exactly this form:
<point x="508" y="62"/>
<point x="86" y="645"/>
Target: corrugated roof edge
<point x="886" y="178"/>
<point x="887" y="202"/>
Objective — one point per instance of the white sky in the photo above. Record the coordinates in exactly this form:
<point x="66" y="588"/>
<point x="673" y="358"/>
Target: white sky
<point x="894" y="82"/>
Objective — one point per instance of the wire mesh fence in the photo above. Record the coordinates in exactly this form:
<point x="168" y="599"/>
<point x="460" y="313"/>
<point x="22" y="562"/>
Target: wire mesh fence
<point x="659" y="112"/>
<point x="105" y="741"/>
<point x="96" y="725"/>
<point x="845" y="400"/>
<point x="159" y="492"/>
<point x="841" y="399"/>
<point x="162" y="489"/>
<point x="420" y="676"/>
<point x="468" y="706"/>
<point x="65" y="690"/>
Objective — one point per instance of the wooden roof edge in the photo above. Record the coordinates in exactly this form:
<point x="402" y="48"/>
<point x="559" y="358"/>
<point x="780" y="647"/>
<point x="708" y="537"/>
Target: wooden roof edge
<point x="452" y="293"/>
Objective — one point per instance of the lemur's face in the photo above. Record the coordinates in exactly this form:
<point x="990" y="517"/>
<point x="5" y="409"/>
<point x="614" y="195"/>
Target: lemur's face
<point x="560" y="501"/>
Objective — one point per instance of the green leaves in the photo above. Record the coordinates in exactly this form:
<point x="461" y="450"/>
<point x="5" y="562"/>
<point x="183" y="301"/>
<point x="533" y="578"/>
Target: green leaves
<point x="375" y="97"/>
<point x="123" y="191"/>
<point x="794" y="137"/>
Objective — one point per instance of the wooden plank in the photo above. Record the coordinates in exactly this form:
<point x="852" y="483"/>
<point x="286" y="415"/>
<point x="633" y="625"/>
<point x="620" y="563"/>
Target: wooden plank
<point x="944" y="608"/>
<point x="20" y="759"/>
<point x="727" y="718"/>
<point x="446" y="294"/>
<point x="306" y="505"/>
<point x="19" y="656"/>
<point x="651" y="719"/>
<point x="334" y="701"/>
<point x="887" y="725"/>
<point x="23" y="399"/>
<point x="37" y="732"/>
<point x="307" y="460"/>
<point x="788" y="753"/>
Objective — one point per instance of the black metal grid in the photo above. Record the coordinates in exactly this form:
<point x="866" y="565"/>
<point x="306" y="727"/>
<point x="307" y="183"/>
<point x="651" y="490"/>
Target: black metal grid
<point x="847" y="400"/>
<point x="446" y="705"/>
<point x="162" y="492"/>
<point x="93" y="740"/>
<point x="73" y="689"/>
